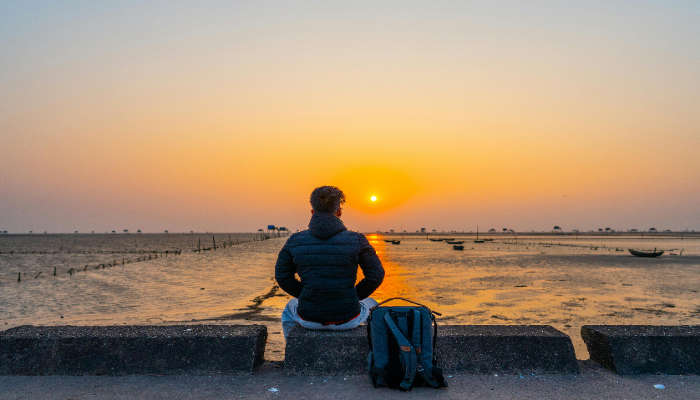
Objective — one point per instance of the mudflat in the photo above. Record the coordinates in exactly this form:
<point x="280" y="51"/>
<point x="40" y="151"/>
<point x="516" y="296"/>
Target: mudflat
<point x="561" y="280"/>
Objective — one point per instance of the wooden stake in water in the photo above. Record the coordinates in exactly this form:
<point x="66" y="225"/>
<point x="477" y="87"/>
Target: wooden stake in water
<point x="19" y="277"/>
<point x="54" y="271"/>
<point x="213" y="239"/>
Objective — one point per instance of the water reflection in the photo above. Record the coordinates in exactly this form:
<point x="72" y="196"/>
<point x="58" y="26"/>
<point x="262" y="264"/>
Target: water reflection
<point x="394" y="274"/>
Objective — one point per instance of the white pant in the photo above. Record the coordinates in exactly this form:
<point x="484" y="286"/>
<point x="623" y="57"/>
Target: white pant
<point x="290" y="318"/>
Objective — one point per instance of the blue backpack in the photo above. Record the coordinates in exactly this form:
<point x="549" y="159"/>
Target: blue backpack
<point x="402" y="342"/>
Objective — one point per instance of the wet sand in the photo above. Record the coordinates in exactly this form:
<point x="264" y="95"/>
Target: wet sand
<point x="560" y="281"/>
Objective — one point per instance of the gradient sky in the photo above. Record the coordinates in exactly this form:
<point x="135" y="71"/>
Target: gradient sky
<point x="223" y="117"/>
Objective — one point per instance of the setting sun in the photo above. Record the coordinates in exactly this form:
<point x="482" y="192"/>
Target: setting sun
<point x="373" y="198"/>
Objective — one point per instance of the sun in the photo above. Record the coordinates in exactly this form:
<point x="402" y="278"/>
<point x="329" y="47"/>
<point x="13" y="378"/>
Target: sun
<point x="373" y="198"/>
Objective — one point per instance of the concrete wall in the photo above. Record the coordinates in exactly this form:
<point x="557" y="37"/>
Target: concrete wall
<point x="463" y="348"/>
<point x="644" y="349"/>
<point x="121" y="350"/>
<point x="205" y="349"/>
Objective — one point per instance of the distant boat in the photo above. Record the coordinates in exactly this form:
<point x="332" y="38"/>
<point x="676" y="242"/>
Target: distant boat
<point x="448" y="239"/>
<point x="395" y="242"/>
<point x="647" y="253"/>
<point x="435" y="240"/>
<point x="388" y="240"/>
<point x="458" y="247"/>
<point x="477" y="240"/>
<point x="454" y="241"/>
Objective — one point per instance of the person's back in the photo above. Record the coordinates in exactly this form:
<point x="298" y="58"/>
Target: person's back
<point x="326" y="257"/>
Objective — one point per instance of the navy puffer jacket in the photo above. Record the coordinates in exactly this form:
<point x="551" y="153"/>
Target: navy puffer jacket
<point x="326" y="257"/>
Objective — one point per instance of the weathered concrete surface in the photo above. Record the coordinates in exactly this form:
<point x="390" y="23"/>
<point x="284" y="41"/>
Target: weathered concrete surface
<point x="310" y="352"/>
<point x="120" y="350"/>
<point x="642" y="349"/>
<point x="594" y="382"/>
<point x="524" y="349"/>
<point x="469" y="348"/>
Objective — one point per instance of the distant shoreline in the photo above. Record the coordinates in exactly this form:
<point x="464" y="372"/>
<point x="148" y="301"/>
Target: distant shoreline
<point x="669" y="235"/>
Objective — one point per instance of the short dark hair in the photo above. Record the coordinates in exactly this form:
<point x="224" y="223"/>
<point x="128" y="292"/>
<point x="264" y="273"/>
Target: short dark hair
<point x="327" y="199"/>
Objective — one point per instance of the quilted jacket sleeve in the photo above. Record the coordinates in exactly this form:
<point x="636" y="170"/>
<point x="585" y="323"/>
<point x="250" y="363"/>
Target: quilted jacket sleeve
<point x="284" y="273"/>
<point x="371" y="267"/>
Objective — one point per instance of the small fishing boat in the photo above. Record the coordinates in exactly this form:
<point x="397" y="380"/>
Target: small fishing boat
<point x="458" y="247"/>
<point x="395" y="242"/>
<point x="448" y="239"/>
<point x="435" y="240"/>
<point x="646" y="253"/>
<point x="388" y="240"/>
<point x="454" y="241"/>
<point x="477" y="240"/>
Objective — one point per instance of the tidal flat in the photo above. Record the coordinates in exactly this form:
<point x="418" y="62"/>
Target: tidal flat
<point x="563" y="281"/>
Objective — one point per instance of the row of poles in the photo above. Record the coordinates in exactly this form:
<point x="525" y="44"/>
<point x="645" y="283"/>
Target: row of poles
<point x="229" y="243"/>
<point x="582" y="246"/>
<point x="152" y="256"/>
<point x="83" y="252"/>
<point x="148" y="255"/>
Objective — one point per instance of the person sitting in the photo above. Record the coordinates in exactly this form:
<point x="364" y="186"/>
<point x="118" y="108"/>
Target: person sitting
<point x="326" y="257"/>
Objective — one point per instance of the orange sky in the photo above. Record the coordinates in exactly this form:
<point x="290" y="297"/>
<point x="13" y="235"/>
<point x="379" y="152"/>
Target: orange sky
<point x="226" y="117"/>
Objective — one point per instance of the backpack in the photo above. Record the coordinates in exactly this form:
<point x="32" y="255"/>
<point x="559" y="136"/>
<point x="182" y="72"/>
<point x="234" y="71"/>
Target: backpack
<point x="402" y="342"/>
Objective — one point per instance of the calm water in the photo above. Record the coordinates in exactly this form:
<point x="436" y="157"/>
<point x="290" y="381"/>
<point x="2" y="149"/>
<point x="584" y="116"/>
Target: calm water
<point x="562" y="281"/>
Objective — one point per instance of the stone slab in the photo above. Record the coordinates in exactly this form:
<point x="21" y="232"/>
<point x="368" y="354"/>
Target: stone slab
<point x="309" y="352"/>
<point x="510" y="349"/>
<point x="644" y="349"/>
<point x="124" y="350"/>
<point x="466" y="348"/>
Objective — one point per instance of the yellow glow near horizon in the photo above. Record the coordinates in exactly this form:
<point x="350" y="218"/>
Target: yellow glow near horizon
<point x="362" y="183"/>
<point x="457" y="115"/>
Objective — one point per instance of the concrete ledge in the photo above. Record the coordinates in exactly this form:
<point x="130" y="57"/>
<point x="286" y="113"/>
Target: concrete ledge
<point x="122" y="350"/>
<point x="644" y="349"/>
<point x="310" y="352"/>
<point x="525" y="349"/>
<point x="465" y="348"/>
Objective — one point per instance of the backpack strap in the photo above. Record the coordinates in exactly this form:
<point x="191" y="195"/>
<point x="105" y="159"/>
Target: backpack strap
<point x="435" y="331"/>
<point x="406" y="351"/>
<point x="416" y="334"/>
<point x="436" y="372"/>
<point x="398" y="298"/>
<point x="425" y="367"/>
<point x="406" y="300"/>
<point x="377" y="357"/>
<point x="370" y="360"/>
